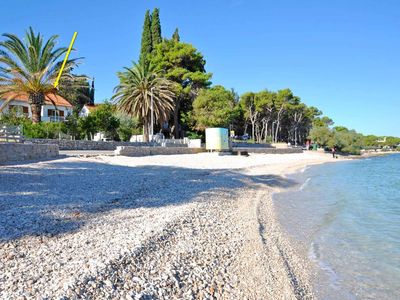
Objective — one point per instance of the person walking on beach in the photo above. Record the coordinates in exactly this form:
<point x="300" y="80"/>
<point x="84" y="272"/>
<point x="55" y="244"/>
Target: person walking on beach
<point x="333" y="152"/>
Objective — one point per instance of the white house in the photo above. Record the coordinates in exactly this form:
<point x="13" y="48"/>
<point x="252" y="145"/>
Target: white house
<point x="87" y="109"/>
<point x="55" y="108"/>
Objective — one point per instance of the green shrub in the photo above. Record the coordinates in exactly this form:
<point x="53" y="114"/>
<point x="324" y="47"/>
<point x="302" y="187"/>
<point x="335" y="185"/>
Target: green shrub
<point x="127" y="127"/>
<point x="192" y="135"/>
<point x="43" y="130"/>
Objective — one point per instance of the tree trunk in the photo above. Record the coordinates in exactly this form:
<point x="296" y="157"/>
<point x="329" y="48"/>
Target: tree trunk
<point x="257" y="135"/>
<point x="262" y="132"/>
<point x="36" y="101"/>
<point x="266" y="132"/>
<point x="146" y="130"/>
<point x="176" y="119"/>
<point x="276" y="131"/>
<point x="245" y="128"/>
<point x="272" y="132"/>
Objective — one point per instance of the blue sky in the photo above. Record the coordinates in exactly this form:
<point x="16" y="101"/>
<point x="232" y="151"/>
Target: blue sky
<point x="341" y="56"/>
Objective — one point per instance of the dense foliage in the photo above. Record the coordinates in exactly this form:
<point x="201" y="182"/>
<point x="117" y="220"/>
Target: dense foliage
<point x="214" y="107"/>
<point x="155" y="28"/>
<point x="184" y="65"/>
<point x="105" y="119"/>
<point x="77" y="91"/>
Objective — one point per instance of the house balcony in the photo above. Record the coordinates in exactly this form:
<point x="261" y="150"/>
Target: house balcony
<point x="53" y="119"/>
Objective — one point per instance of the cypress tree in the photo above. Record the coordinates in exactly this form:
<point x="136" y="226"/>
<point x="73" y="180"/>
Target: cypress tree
<point x="91" y="93"/>
<point x="176" y="36"/>
<point x="147" y="46"/>
<point x="156" y="27"/>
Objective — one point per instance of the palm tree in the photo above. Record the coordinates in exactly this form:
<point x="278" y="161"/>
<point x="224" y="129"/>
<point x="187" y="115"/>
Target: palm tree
<point x="133" y="95"/>
<point x="30" y="67"/>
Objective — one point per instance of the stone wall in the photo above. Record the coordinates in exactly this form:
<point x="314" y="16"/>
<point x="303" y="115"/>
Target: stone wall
<point x="10" y="152"/>
<point x="144" y="151"/>
<point x="250" y="145"/>
<point x="84" y="145"/>
<point x="269" y="150"/>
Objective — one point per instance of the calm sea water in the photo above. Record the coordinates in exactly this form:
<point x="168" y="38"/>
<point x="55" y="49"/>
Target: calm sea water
<point x="346" y="216"/>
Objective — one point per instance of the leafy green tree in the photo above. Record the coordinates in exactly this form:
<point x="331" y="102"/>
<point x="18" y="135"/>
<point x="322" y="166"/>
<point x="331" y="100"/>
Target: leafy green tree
<point x="72" y="125"/>
<point x="147" y="43"/>
<point x="214" y="107"/>
<point x="370" y="141"/>
<point x="133" y="95"/>
<point x="88" y="126"/>
<point x="105" y="119"/>
<point x="183" y="64"/>
<point x="320" y="135"/>
<point x="155" y="28"/>
<point x="340" y="129"/>
<point x="31" y="66"/>
<point x="311" y="114"/>
<point x="348" y="141"/>
<point x="324" y="121"/>
<point x="392" y="141"/>
<point x="127" y="127"/>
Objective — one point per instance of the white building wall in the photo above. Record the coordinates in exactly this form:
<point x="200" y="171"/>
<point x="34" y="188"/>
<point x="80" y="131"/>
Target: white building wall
<point x="44" y="113"/>
<point x="15" y="102"/>
<point x="84" y="112"/>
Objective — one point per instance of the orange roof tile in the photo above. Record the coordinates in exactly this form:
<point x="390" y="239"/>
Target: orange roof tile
<point x="50" y="99"/>
<point x="91" y="107"/>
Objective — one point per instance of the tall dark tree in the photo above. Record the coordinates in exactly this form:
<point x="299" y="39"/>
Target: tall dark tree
<point x="155" y="28"/>
<point x="91" y="94"/>
<point x="176" y="36"/>
<point x="185" y="65"/>
<point x="147" y="44"/>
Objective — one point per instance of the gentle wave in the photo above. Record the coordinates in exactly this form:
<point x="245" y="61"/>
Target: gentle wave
<point x="305" y="184"/>
<point x="315" y="255"/>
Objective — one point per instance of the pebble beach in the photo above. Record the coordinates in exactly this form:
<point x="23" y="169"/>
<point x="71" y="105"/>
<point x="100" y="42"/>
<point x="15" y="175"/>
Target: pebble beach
<point x="198" y="226"/>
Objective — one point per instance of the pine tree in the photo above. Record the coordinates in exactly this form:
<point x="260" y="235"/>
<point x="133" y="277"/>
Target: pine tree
<point x="147" y="46"/>
<point x="156" y="27"/>
<point x="176" y="36"/>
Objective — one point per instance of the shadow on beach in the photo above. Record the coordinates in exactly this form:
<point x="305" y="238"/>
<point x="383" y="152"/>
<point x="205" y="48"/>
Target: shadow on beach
<point x="59" y="197"/>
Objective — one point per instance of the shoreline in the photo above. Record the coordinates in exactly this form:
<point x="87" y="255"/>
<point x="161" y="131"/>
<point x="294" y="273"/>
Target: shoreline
<point x="203" y="225"/>
<point x="314" y="225"/>
<point x="310" y="268"/>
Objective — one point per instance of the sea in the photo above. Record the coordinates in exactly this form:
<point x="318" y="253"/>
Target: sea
<point x="346" y="217"/>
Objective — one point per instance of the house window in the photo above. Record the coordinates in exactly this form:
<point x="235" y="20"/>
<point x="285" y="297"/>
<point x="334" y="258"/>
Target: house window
<point x="19" y="110"/>
<point x="55" y="115"/>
